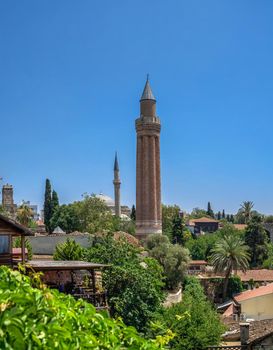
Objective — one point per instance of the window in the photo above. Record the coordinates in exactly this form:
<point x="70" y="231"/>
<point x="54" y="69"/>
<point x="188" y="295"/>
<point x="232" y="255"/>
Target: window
<point x="4" y="244"/>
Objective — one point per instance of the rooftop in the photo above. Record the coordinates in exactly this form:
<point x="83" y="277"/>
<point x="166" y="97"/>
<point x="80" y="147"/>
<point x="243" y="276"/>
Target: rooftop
<point x="203" y="219"/>
<point x="15" y="225"/>
<point x="63" y="265"/>
<point x="198" y="262"/>
<point x="261" y="275"/>
<point x="255" y="293"/>
<point x="257" y="330"/>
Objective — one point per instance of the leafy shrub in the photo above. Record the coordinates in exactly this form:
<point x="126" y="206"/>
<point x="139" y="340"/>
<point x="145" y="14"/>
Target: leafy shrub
<point x="69" y="250"/>
<point x="194" y="322"/>
<point x="134" y="287"/>
<point x="34" y="318"/>
<point x="172" y="257"/>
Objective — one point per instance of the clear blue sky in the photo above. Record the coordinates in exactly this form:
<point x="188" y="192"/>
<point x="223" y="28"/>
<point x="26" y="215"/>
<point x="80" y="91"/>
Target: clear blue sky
<point x="72" y="72"/>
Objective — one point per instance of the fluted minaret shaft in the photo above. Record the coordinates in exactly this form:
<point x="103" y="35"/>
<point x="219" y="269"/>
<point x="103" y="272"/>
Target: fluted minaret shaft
<point x="117" y="183"/>
<point x="148" y="183"/>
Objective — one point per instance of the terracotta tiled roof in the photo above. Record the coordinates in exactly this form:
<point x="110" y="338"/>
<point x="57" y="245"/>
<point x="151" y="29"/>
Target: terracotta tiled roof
<point x="256" y="275"/>
<point x="129" y="238"/>
<point x="257" y="330"/>
<point x="198" y="262"/>
<point x="204" y="219"/>
<point x="257" y="292"/>
<point x="229" y="311"/>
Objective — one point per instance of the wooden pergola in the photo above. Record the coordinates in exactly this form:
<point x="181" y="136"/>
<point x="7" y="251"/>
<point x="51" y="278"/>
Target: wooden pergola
<point x="8" y="230"/>
<point x="78" y="278"/>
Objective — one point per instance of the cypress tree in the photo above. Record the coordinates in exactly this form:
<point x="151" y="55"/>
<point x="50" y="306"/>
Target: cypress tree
<point x="54" y="207"/>
<point x="223" y="214"/>
<point x="210" y="211"/>
<point x="219" y="215"/>
<point x="232" y="218"/>
<point x="177" y="230"/>
<point x="54" y="202"/>
<point x="133" y="213"/>
<point x="47" y="205"/>
<point x="228" y="218"/>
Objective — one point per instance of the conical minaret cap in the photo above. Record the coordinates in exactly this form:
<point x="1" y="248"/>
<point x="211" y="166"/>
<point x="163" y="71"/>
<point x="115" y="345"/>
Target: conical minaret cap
<point x="147" y="92"/>
<point x="116" y="166"/>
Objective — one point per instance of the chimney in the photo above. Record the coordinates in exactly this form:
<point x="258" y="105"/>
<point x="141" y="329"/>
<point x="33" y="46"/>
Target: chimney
<point x="244" y="333"/>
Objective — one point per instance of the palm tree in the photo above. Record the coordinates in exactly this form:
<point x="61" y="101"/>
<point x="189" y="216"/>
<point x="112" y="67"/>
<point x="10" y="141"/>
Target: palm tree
<point x="24" y="214"/>
<point x="246" y="209"/>
<point x="229" y="253"/>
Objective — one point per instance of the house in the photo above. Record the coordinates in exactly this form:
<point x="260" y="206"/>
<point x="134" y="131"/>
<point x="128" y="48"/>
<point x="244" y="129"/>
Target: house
<point x="197" y="267"/>
<point x="203" y="225"/>
<point x="248" y="335"/>
<point x="254" y="278"/>
<point x="256" y="304"/>
<point x="9" y="229"/>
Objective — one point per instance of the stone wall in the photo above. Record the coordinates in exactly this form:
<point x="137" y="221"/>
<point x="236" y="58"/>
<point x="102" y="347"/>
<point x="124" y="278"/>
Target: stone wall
<point x="45" y="245"/>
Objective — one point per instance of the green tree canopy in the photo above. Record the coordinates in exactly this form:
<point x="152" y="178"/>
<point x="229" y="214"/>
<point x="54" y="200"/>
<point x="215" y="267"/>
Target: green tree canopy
<point x="54" y="202"/>
<point x="134" y="286"/>
<point x="169" y="212"/>
<point x="24" y="215"/>
<point x="210" y="211"/>
<point x="198" y="213"/>
<point x="194" y="322"/>
<point x="229" y="254"/>
<point x="133" y="213"/>
<point x="256" y="238"/>
<point x="47" y="205"/>
<point x="66" y="217"/>
<point x="172" y="257"/>
<point x="246" y="210"/>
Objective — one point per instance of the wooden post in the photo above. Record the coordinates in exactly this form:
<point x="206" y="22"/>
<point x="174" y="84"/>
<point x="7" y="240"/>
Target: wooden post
<point x="93" y="280"/>
<point x="23" y="250"/>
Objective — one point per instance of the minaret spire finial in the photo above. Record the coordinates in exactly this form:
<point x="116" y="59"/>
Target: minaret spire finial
<point x="147" y="92"/>
<point x="117" y="183"/>
<point x="116" y="166"/>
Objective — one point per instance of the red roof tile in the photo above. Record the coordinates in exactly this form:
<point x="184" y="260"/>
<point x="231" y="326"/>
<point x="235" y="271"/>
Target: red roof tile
<point x="255" y="293"/>
<point x="261" y="275"/>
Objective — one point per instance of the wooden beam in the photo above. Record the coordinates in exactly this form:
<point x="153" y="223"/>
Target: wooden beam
<point x="23" y="248"/>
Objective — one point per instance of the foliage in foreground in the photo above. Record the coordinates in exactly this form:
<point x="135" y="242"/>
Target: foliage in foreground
<point x="134" y="286"/>
<point x="194" y="322"/>
<point x="32" y="318"/>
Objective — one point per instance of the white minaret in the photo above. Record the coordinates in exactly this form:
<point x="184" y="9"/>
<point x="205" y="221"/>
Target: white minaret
<point x="117" y="183"/>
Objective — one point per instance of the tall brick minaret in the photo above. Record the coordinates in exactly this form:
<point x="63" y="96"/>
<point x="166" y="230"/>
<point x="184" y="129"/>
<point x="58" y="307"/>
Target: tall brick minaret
<point x="117" y="183"/>
<point x="148" y="182"/>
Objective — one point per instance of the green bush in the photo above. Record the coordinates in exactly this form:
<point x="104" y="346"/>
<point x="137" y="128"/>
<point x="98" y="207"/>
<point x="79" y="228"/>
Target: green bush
<point x="194" y="322"/>
<point x="134" y="286"/>
<point x="69" y="250"/>
<point x="172" y="257"/>
<point x="32" y="318"/>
